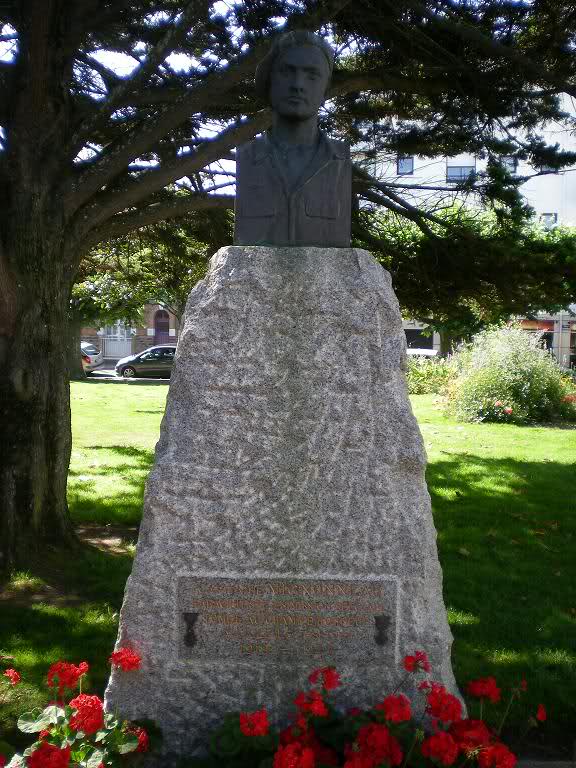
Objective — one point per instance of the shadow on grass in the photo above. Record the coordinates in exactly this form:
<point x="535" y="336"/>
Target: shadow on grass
<point x="77" y="619"/>
<point x="72" y="617"/>
<point x="120" y="502"/>
<point x="506" y="536"/>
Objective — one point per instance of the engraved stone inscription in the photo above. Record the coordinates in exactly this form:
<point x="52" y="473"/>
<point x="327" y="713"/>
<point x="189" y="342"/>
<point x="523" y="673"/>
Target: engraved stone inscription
<point x="277" y="619"/>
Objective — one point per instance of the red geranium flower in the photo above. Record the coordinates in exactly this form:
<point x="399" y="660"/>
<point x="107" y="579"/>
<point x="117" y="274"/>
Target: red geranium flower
<point x="89" y="716"/>
<point x="254" y="723"/>
<point x="49" y="756"/>
<point x="496" y="756"/>
<point x="376" y="741"/>
<point x="507" y="410"/>
<point x="484" y="688"/>
<point x="470" y="734"/>
<point x="418" y="661"/>
<point x="396" y="708"/>
<point x="126" y="659"/>
<point x="66" y="674"/>
<point x="322" y="755"/>
<point x="311" y="703"/>
<point x="13" y="676"/>
<point x="440" y="747"/>
<point x="358" y="760"/>
<point x="443" y="705"/>
<point x="330" y="678"/>
<point x="294" y="755"/>
<point x="143" y="740"/>
<point x="307" y="738"/>
<point x="541" y="713"/>
<point x="3" y="761"/>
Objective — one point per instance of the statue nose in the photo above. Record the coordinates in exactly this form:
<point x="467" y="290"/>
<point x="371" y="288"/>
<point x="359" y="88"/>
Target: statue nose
<point x="298" y="81"/>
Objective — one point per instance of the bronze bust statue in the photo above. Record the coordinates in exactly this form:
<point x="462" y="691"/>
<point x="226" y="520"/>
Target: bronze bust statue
<point x="293" y="184"/>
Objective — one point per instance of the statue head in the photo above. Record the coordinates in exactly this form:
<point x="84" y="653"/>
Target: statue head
<point x="295" y="75"/>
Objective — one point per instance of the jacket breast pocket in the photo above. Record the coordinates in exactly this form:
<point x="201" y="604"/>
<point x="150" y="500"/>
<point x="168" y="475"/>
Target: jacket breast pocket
<point x="323" y="205"/>
<point x="257" y="201"/>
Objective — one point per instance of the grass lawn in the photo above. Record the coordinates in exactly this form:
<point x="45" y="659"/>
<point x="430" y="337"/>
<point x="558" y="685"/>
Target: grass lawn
<point x="504" y="500"/>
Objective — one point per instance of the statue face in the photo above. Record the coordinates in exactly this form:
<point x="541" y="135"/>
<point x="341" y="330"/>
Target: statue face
<point x="298" y="82"/>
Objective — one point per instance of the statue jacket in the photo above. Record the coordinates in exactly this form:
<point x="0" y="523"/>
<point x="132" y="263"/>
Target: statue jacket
<point x="315" y="212"/>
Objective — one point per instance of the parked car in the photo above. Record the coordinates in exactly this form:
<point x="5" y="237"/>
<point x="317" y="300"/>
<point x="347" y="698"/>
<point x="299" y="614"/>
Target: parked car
<point x="155" y="361"/>
<point x="91" y="356"/>
<point x="419" y="352"/>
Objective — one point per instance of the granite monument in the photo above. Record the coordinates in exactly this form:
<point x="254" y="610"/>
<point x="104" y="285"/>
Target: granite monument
<point x="287" y="523"/>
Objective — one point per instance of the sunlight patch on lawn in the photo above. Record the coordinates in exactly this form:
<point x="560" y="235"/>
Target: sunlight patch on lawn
<point x="462" y="618"/>
<point x="25" y="582"/>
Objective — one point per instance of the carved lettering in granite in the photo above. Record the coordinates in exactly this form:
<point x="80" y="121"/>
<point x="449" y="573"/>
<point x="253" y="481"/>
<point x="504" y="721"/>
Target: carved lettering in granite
<point x="284" y="619"/>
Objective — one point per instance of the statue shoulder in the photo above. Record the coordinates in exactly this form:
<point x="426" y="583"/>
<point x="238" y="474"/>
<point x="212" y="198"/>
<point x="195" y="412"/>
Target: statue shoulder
<point x="340" y="148"/>
<point x="251" y="150"/>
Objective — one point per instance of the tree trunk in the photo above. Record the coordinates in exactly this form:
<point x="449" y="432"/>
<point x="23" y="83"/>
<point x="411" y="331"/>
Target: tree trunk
<point x="75" y="367"/>
<point x="37" y="264"/>
<point x="446" y="343"/>
<point x="34" y="405"/>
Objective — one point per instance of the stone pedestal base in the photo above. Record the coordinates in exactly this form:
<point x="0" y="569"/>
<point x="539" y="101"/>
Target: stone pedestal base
<point x="287" y="523"/>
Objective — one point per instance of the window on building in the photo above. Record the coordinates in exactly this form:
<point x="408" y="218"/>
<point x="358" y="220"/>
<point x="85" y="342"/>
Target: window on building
<point x="510" y="163"/>
<point x="459" y="173"/>
<point x="549" y="220"/>
<point x="404" y="165"/>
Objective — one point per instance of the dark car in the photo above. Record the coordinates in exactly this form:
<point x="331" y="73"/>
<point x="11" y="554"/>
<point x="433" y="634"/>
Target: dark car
<point x="155" y="361"/>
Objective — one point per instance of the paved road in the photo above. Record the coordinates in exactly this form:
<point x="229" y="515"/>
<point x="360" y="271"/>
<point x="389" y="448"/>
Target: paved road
<point x="107" y="374"/>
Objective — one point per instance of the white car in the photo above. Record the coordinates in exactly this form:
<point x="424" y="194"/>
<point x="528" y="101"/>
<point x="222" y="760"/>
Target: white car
<point x="91" y="357"/>
<point x="417" y="352"/>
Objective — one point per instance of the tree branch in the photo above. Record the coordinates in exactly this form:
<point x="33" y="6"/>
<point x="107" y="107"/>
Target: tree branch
<point x="343" y="82"/>
<point x="210" y="90"/>
<point x="467" y="32"/>
<point x="400" y="205"/>
<point x="153" y="214"/>
<point x="139" y="189"/>
<point x="157" y="55"/>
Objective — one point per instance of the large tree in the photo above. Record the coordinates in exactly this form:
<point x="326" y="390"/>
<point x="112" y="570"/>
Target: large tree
<point x="472" y="268"/>
<point x="87" y="153"/>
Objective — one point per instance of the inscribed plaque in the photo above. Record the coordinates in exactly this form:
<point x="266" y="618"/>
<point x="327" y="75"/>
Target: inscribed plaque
<point x="277" y="619"/>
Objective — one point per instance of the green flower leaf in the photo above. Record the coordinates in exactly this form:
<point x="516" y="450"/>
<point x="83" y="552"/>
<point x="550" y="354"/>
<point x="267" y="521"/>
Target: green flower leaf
<point x="128" y="744"/>
<point x="35" y="721"/>
<point x="17" y="761"/>
<point x="95" y="759"/>
<point x="54" y="712"/>
<point x="226" y="742"/>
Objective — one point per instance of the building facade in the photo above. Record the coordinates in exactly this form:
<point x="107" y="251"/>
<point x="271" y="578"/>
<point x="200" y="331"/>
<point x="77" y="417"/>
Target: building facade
<point x="159" y="326"/>
<point x="552" y="195"/>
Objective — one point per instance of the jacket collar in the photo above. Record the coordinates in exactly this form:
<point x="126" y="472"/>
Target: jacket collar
<point x="329" y="149"/>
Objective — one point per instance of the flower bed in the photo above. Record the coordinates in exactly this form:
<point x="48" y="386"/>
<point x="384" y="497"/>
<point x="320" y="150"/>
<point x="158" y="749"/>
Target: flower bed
<point x="81" y="734"/>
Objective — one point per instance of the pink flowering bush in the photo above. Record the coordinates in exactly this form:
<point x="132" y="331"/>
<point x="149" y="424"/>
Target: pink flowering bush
<point x="505" y="375"/>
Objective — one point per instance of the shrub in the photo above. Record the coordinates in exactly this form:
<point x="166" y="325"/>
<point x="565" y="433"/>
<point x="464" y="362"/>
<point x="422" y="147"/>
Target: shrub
<point x="428" y="375"/>
<point x="506" y="375"/>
